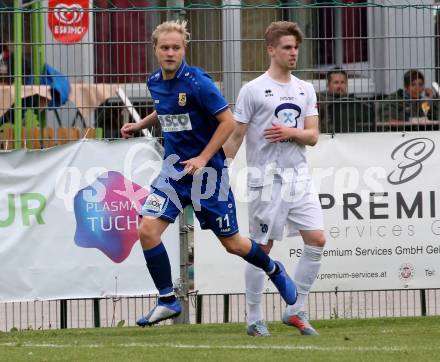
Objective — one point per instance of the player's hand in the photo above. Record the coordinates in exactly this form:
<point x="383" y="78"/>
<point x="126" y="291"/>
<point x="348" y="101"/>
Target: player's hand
<point x="128" y="129"/>
<point x="278" y="132"/>
<point x="194" y="165"/>
<point x="429" y="93"/>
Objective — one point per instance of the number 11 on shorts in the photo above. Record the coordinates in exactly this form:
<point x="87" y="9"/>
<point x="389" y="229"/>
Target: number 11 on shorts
<point x="220" y="221"/>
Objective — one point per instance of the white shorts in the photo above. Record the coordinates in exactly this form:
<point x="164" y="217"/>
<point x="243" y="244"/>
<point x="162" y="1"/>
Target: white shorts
<point x="294" y="206"/>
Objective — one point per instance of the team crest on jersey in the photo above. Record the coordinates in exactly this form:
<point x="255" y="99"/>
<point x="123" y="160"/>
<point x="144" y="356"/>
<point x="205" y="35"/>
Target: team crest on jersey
<point x="182" y="99"/>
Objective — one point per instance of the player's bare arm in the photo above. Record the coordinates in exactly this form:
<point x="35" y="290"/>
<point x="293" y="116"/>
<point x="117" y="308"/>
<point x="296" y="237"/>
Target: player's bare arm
<point x="222" y="133"/>
<point x="234" y="142"/>
<point x="128" y="129"/>
<point x="307" y="136"/>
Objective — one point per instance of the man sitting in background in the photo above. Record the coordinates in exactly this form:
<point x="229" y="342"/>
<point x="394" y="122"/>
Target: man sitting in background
<point x="337" y="82"/>
<point x="340" y="112"/>
<point x="59" y="84"/>
<point x="413" y="103"/>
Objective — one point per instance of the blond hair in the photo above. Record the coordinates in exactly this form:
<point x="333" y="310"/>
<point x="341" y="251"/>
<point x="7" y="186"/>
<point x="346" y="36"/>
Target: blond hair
<point x="171" y="26"/>
<point x="277" y="29"/>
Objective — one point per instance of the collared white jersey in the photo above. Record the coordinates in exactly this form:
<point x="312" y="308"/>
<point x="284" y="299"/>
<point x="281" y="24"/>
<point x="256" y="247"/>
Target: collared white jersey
<point x="263" y="102"/>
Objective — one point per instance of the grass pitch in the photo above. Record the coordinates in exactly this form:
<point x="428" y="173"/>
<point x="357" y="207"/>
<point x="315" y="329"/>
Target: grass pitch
<point x="400" y="339"/>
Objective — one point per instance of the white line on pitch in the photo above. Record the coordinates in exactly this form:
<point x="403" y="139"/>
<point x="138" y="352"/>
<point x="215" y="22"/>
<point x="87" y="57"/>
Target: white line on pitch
<point x="235" y="347"/>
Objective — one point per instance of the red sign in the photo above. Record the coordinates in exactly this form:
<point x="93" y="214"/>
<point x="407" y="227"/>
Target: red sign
<point x="68" y="19"/>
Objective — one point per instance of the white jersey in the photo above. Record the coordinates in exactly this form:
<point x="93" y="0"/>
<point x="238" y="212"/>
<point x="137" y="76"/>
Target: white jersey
<point x="262" y="102"/>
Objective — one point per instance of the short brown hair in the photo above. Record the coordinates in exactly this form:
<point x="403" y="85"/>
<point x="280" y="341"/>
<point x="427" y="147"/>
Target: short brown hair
<point x="277" y="29"/>
<point x="336" y="70"/>
<point x="170" y="26"/>
<point x="412" y="75"/>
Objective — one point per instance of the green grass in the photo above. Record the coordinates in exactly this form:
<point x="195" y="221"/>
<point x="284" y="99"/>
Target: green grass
<point x="400" y="339"/>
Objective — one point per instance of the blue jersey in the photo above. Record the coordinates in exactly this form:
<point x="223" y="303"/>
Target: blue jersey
<point x="186" y="106"/>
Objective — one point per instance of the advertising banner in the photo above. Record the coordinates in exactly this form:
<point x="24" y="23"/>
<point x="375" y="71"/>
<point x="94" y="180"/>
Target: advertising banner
<point x="380" y="195"/>
<point x="69" y="219"/>
<point x="68" y="19"/>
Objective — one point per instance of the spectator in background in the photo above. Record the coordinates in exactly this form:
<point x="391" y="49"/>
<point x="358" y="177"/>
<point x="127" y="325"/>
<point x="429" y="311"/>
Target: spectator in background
<point x="4" y="68"/>
<point x="339" y="111"/>
<point x="7" y="64"/>
<point x="7" y="79"/>
<point x="59" y="83"/>
<point x="411" y="103"/>
<point x="337" y="81"/>
<point x="336" y="88"/>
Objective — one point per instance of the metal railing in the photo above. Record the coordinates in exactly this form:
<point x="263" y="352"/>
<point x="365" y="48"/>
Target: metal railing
<point x="217" y="308"/>
<point x="369" y="40"/>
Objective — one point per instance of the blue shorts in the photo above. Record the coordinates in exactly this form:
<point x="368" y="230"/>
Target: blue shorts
<point x="169" y="197"/>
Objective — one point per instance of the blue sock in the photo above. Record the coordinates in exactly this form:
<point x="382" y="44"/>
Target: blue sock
<point x="259" y="258"/>
<point x="159" y="267"/>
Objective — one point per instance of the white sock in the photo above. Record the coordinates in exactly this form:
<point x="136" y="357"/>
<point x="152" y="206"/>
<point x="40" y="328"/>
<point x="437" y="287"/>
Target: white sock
<point x="305" y="274"/>
<point x="254" y="279"/>
<point x="299" y="305"/>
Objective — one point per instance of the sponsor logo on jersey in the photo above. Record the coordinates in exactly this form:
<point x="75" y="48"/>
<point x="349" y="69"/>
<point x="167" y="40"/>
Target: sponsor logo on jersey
<point x="154" y="203"/>
<point x="287" y="98"/>
<point x="182" y="99"/>
<point x="175" y="122"/>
